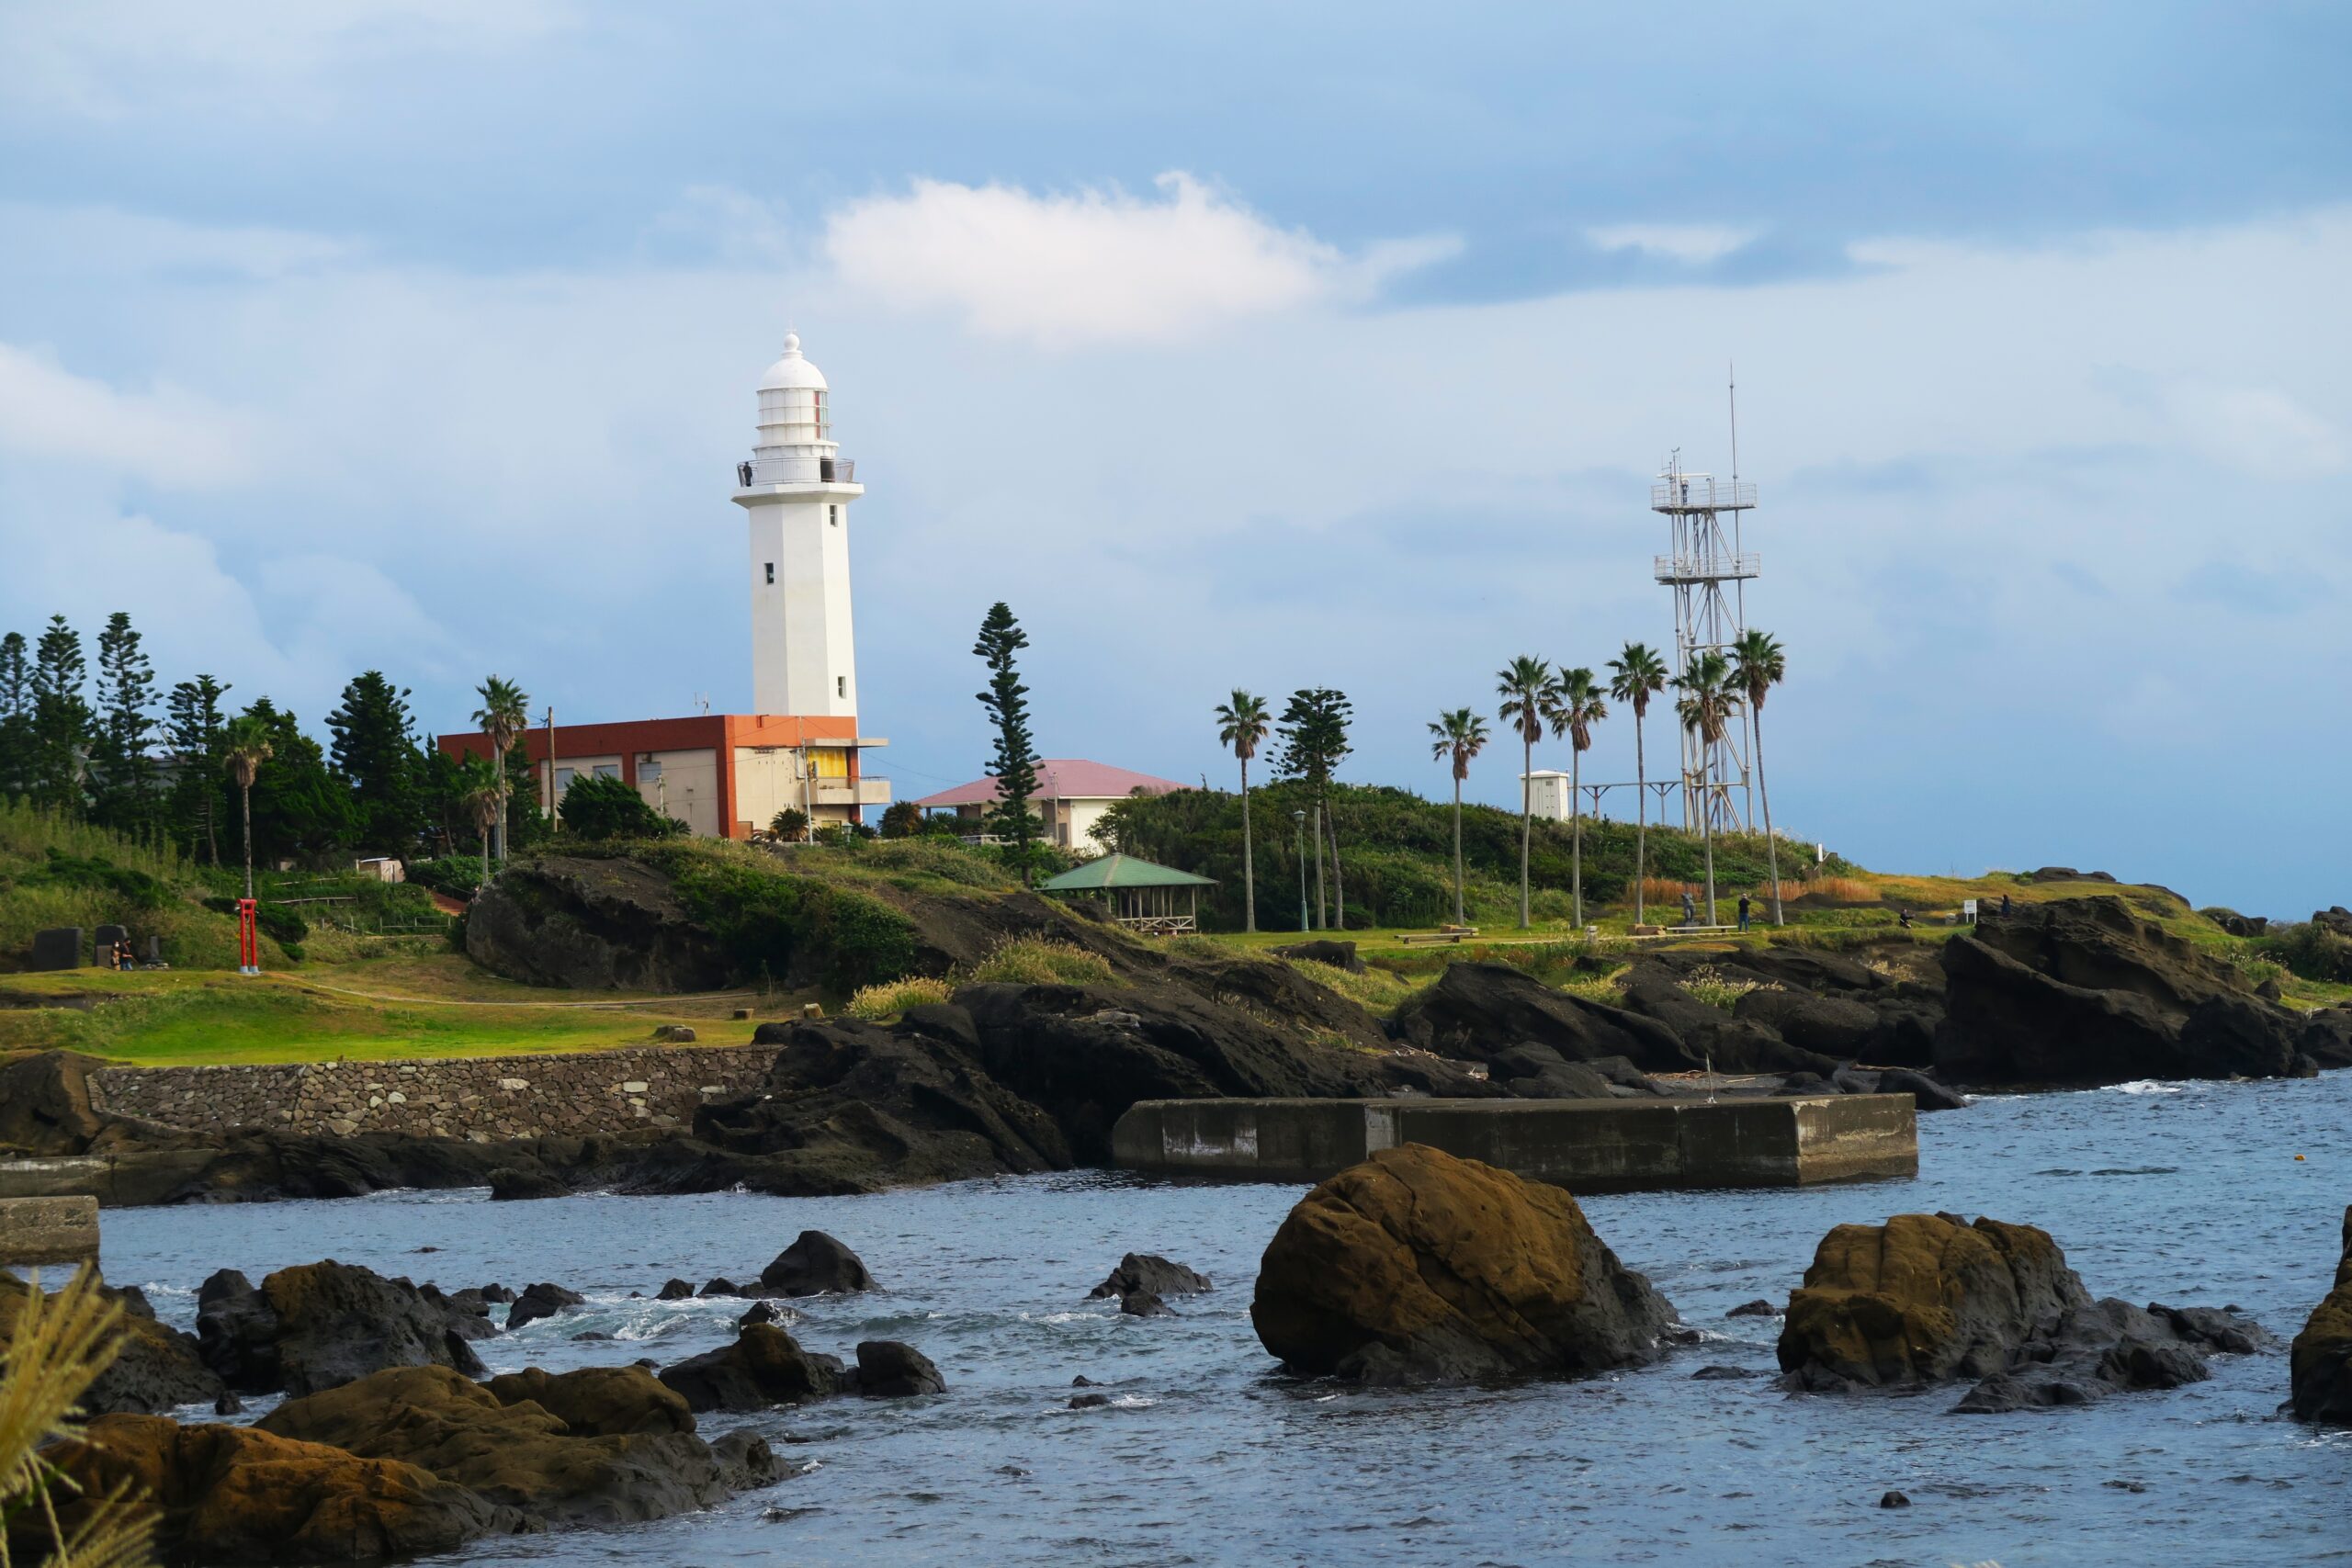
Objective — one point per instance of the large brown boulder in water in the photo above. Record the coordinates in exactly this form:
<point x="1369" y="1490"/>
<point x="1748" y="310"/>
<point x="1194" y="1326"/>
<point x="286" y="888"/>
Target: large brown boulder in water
<point x="1926" y="1299"/>
<point x="319" y="1325"/>
<point x="630" y="1459"/>
<point x="238" y="1495"/>
<point x="2322" y="1359"/>
<point x="45" y="1106"/>
<point x="1416" y="1266"/>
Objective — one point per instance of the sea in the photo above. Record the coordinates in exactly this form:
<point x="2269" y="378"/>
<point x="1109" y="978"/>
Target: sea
<point x="2186" y="1193"/>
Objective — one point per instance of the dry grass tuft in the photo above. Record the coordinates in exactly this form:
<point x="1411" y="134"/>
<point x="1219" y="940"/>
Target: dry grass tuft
<point x="880" y="1004"/>
<point x="57" y="1347"/>
<point x="1717" y="989"/>
<point x="1027" y="961"/>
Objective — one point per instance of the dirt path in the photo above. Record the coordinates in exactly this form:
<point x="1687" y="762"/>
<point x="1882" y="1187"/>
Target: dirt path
<point x="642" y="1004"/>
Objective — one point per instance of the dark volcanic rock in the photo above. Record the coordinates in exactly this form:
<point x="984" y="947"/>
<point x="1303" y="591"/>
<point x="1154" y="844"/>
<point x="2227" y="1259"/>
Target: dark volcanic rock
<point x="1831" y="1026"/>
<point x="888" y="1370"/>
<point x="241" y="1495"/>
<point x="1143" y="1304"/>
<point x="1084" y="1054"/>
<point x="759" y="1311"/>
<point x="45" y="1104"/>
<point x="766" y="1366"/>
<point x="598" y="1402"/>
<point x="816" y="1265"/>
<point x="1415" y="1265"/>
<point x="1754" y="1309"/>
<point x="2084" y="991"/>
<point x="1538" y="1072"/>
<point x="1478" y="1010"/>
<point x="1336" y="954"/>
<point x="1149" y="1272"/>
<point x="851" y="1106"/>
<point x="155" y="1370"/>
<point x="674" y="1291"/>
<point x="1089" y="1401"/>
<point x="1924" y="1299"/>
<point x="592" y="925"/>
<point x="2322" y="1358"/>
<point x="320" y="1324"/>
<point x="508" y="1184"/>
<point x="541" y="1301"/>
<point x="1925" y="1093"/>
<point x="1724" y="1041"/>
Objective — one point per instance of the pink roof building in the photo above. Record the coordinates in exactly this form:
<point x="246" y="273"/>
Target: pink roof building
<point x="1072" y="794"/>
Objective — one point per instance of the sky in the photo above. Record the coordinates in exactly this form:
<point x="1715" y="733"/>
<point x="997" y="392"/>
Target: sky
<point x="1260" y="347"/>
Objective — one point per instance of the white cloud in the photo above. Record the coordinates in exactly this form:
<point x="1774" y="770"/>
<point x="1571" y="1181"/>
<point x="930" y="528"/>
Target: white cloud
<point x="1094" y="267"/>
<point x="83" y="242"/>
<point x="167" y="436"/>
<point x="105" y="58"/>
<point x="1694" y="245"/>
<point x="2261" y="430"/>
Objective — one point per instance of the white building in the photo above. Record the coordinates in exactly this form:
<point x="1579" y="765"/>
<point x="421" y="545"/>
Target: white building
<point x="1547" y="794"/>
<point x="1073" y="795"/>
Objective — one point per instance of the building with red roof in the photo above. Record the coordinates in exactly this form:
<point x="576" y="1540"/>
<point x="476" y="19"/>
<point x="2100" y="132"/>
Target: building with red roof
<point x="1072" y="794"/>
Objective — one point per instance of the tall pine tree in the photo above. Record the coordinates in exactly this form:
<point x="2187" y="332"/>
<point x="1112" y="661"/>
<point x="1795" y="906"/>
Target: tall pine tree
<point x="123" y="773"/>
<point x="1315" y="742"/>
<point x="192" y="728"/>
<point x="16" y="717"/>
<point x="62" y="719"/>
<point x="376" y="756"/>
<point x="300" y="811"/>
<point x="1014" y="764"/>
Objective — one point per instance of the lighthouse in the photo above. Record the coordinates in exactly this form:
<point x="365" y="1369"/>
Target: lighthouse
<point x="795" y="491"/>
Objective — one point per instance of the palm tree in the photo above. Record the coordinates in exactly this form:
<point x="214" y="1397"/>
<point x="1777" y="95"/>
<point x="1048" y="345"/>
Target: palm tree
<point x="1459" y="736"/>
<point x="486" y="802"/>
<point x="1757" y="666"/>
<point x="1576" y="707"/>
<point x="503" y="715"/>
<point x="244" y="747"/>
<point x="1636" y="675"/>
<point x="1704" y="707"/>
<point x="1242" y="723"/>
<point x="1525" y="685"/>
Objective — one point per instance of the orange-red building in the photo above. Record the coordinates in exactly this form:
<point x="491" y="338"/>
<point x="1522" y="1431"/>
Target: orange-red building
<point x="724" y="775"/>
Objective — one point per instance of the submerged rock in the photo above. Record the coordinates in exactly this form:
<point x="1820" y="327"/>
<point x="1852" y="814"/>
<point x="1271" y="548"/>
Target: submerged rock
<point x="2322" y="1358"/>
<point x="156" y="1369"/>
<point x="1149" y="1272"/>
<point x="1416" y="1266"/>
<point x="1143" y="1304"/>
<point x="541" y="1301"/>
<point x="766" y="1366"/>
<point x="508" y="1184"/>
<point x="888" y="1370"/>
<point x="1924" y="1299"/>
<point x="674" y="1291"/>
<point x="816" y="1265"/>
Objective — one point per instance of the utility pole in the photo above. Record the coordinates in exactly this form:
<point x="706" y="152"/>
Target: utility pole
<point x="551" y="795"/>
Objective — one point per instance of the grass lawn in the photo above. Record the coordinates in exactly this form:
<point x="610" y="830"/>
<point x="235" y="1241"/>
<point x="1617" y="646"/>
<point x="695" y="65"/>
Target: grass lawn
<point x="424" y="1005"/>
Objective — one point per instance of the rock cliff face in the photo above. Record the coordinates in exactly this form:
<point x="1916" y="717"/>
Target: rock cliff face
<point x="2084" y="991"/>
<point x="1416" y="1266"/>
<point x="2321" y="1357"/>
<point x="592" y="924"/>
<point x="1924" y="1299"/>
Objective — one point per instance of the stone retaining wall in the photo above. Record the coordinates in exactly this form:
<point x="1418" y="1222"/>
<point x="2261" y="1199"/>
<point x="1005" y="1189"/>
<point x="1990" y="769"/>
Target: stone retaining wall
<point x="481" y="1098"/>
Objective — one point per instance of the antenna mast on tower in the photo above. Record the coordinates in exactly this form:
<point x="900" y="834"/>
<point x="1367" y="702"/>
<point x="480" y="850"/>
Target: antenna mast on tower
<point x="1708" y="572"/>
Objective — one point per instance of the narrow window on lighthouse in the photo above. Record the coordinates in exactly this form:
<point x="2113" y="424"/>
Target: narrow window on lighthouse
<point x="840" y="685"/>
<point x="833" y="515"/>
<point x="771" y="574"/>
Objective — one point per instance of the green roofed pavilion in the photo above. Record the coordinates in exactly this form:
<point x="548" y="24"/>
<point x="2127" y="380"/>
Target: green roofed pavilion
<point x="1157" y="901"/>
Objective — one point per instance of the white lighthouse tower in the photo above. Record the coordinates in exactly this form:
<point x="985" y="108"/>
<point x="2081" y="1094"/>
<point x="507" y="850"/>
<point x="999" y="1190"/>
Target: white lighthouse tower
<point x="798" y="490"/>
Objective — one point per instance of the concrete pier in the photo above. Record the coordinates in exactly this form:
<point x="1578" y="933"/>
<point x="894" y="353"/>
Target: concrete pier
<point x="49" y="1230"/>
<point x="1585" y="1145"/>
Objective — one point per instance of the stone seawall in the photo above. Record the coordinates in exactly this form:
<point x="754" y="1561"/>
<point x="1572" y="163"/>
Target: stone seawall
<point x="483" y="1098"/>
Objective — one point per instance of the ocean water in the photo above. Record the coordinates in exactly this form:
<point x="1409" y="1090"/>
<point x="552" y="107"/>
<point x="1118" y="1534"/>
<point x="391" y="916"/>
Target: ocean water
<point x="2185" y="1193"/>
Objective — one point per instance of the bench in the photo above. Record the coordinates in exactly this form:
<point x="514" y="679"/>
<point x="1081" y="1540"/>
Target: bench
<point x="1417" y="939"/>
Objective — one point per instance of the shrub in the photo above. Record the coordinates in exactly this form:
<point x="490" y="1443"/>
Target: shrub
<point x="1717" y="989"/>
<point x="2309" y="950"/>
<point x="768" y="921"/>
<point x="1377" y="990"/>
<point x="460" y="877"/>
<point x="1027" y="961"/>
<point x="601" y="808"/>
<point x="789" y="824"/>
<point x="881" y="1003"/>
<point x="901" y="819"/>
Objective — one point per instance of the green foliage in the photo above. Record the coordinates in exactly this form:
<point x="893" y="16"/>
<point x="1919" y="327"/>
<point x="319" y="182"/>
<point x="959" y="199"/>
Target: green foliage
<point x="56" y="870"/>
<point x="880" y="1004"/>
<point x="136" y="889"/>
<point x="1027" y="961"/>
<point x="1400" y="865"/>
<point x="376" y="756"/>
<point x="122" y="774"/>
<point x="601" y="808"/>
<point x="276" y="921"/>
<point x="2310" y="952"/>
<point x="460" y="877"/>
<point x="1013" y="764"/>
<point x="901" y="819"/>
<point x="771" y="922"/>
<point x="789" y="824"/>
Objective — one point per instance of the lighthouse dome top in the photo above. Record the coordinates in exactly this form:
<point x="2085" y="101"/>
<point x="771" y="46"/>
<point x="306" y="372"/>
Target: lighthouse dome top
<point x="791" y="372"/>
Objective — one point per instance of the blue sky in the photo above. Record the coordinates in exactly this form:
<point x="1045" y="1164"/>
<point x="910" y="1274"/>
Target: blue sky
<point x="1309" y="345"/>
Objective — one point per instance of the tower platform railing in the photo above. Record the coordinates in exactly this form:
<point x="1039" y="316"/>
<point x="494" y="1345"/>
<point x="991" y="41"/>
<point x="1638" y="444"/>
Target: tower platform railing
<point x="1703" y="493"/>
<point x="1707" y="567"/>
<point x="797" y="471"/>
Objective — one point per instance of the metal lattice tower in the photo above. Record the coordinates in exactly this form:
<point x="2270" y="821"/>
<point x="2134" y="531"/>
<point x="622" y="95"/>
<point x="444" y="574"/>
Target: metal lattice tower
<point x="1709" y="574"/>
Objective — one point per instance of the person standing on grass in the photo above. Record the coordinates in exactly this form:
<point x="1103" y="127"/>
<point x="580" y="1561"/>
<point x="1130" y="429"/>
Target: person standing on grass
<point x="1743" y="911"/>
<point x="1690" y="909"/>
